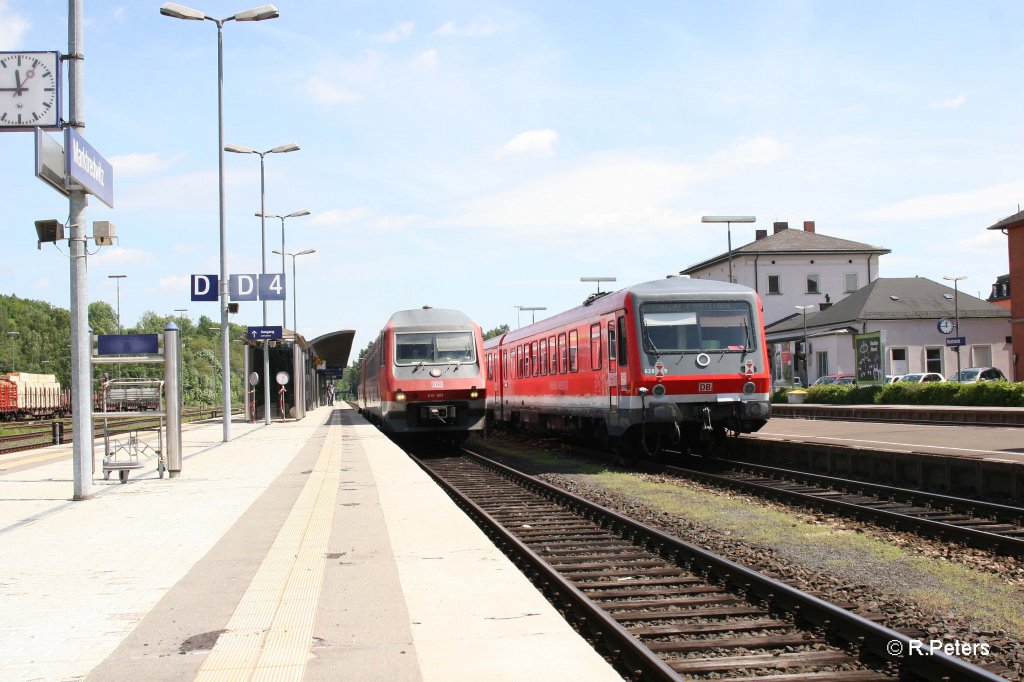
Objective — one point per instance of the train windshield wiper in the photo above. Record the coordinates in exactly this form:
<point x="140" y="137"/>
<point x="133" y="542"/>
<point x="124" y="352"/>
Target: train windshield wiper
<point x="418" y="365"/>
<point x="647" y="338"/>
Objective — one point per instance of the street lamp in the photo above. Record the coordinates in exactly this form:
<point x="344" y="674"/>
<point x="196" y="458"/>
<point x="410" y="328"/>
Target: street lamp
<point x="532" y="309"/>
<point x="804" y="309"/>
<point x="14" y="350"/>
<point x="282" y="149"/>
<point x="181" y="315"/>
<point x="295" y="288"/>
<point x="956" y="318"/>
<point x="176" y="11"/>
<point x="293" y="214"/>
<point x="118" y="278"/>
<point x="728" y="220"/>
<point x="598" y="280"/>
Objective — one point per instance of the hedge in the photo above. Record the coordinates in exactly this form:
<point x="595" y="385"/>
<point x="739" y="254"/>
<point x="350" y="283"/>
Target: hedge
<point x="982" y="394"/>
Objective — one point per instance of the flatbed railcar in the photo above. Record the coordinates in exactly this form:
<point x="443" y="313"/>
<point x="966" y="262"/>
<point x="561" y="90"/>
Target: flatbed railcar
<point x="423" y="375"/>
<point x="677" y="361"/>
<point x="26" y="395"/>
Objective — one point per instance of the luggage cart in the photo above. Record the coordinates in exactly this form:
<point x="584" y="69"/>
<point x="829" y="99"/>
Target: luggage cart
<point x="123" y="455"/>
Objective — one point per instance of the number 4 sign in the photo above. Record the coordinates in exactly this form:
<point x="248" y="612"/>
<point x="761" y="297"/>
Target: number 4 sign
<point x="272" y="287"/>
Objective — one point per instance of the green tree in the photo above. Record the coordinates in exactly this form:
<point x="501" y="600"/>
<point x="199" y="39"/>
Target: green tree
<point x="497" y="331"/>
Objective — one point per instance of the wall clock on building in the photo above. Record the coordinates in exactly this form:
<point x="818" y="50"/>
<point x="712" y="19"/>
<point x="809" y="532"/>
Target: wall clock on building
<point x="29" y="90"/>
<point x="945" y="325"/>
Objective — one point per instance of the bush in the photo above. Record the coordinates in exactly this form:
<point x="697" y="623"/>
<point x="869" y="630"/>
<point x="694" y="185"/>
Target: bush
<point x="982" y="394"/>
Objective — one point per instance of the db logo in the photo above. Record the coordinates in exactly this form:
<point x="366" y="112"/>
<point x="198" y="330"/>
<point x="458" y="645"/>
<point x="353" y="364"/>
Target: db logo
<point x="704" y="387"/>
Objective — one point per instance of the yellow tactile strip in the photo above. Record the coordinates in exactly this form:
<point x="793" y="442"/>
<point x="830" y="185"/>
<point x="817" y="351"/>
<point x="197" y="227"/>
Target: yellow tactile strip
<point x="270" y="634"/>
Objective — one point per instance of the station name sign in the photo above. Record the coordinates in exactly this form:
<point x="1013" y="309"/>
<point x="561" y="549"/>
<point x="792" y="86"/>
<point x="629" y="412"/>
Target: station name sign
<point x="84" y="165"/>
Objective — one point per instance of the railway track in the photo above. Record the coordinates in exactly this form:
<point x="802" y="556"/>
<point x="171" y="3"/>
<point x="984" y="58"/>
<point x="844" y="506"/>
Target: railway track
<point x="39" y="434"/>
<point x="664" y="608"/>
<point x="985" y="525"/>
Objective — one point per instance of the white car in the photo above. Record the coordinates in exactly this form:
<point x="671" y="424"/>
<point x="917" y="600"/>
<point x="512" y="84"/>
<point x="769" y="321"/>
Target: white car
<point x="921" y="378"/>
<point x="973" y="375"/>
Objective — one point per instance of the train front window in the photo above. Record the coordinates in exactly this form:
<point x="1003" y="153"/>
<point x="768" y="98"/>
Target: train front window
<point x="696" y="327"/>
<point x="434" y="348"/>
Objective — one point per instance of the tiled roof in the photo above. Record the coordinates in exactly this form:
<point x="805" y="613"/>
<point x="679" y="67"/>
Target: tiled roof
<point x="1015" y="220"/>
<point x="792" y="241"/>
<point x="894" y="298"/>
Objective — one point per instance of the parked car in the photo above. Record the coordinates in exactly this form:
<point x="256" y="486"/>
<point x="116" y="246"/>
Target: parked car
<point x="834" y="379"/>
<point x="892" y="378"/>
<point x="973" y="375"/>
<point x="920" y="378"/>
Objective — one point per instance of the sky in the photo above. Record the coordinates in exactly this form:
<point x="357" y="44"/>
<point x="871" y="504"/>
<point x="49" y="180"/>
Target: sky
<point x="485" y="155"/>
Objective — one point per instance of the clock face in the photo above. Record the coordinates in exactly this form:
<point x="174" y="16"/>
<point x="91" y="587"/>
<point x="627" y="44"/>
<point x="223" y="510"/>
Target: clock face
<point x="945" y="325"/>
<point x="29" y="89"/>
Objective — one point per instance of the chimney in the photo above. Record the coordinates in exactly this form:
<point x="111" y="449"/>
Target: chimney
<point x="760" y="234"/>
<point x="779" y="227"/>
<point x="808" y="226"/>
<point x="828" y="299"/>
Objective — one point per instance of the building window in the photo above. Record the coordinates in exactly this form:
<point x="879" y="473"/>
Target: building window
<point x="812" y="284"/>
<point x="898" y="361"/>
<point x="822" y="361"/>
<point x="774" y="284"/>
<point x="933" y="360"/>
<point x="981" y="356"/>
<point x="850" y="284"/>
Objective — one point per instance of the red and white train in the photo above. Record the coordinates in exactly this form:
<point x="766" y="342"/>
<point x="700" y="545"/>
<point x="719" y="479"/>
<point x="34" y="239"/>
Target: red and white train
<point x="424" y="375"/>
<point x="674" y="361"/>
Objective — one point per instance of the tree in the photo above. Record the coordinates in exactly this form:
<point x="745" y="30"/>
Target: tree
<point x="497" y="331"/>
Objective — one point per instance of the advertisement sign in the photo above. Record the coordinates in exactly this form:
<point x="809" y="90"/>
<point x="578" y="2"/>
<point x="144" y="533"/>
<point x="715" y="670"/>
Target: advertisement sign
<point x="869" y="355"/>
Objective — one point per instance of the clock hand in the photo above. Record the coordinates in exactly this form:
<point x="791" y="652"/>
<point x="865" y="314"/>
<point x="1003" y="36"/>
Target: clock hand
<point x="17" y="83"/>
<point x="30" y="74"/>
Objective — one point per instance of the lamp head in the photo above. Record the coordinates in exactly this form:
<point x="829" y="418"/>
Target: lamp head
<point x="300" y="212"/>
<point x="238" y="149"/>
<point x="266" y="215"/>
<point x="173" y="9"/>
<point x="258" y="13"/>
<point x="290" y="147"/>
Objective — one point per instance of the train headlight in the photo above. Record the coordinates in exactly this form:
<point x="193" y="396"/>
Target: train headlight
<point x="749" y="388"/>
<point x="400" y="396"/>
<point x="473" y="393"/>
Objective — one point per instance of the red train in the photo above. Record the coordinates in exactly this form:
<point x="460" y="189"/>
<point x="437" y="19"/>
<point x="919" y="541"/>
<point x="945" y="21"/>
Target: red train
<point x="674" y="361"/>
<point x="424" y="375"/>
<point x="24" y="395"/>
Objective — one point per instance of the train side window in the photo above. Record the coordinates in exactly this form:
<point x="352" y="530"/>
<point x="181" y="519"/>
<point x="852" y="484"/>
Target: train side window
<point x="543" y="357"/>
<point x="574" y="351"/>
<point x="504" y="374"/>
<point x="622" y="341"/>
<point x="554" y="355"/>
<point x="490" y="366"/>
<point x="563" y="355"/>
<point x="611" y="342"/>
<point x="535" y="359"/>
<point x="595" y="346"/>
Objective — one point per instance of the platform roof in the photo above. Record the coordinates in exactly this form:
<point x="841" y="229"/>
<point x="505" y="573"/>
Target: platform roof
<point x="333" y="347"/>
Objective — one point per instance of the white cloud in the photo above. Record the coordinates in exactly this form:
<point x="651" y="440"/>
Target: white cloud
<point x="325" y="92"/>
<point x="427" y="60"/>
<point x="531" y="143"/>
<point x="760" y="151"/>
<point x="949" y="103"/>
<point x="478" y="29"/>
<point x="135" y="164"/>
<point x="13" y="27"/>
<point x="339" y="216"/>
<point x="996" y="202"/>
<point x="116" y="255"/>
<point x="400" y="32"/>
<point x="170" y="284"/>
<point x="43" y="283"/>
<point x="982" y="242"/>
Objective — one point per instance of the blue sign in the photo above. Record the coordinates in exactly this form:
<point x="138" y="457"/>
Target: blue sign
<point x="242" y="287"/>
<point x="204" y="287"/>
<point x="262" y="333"/>
<point x="127" y="344"/>
<point x="85" y="166"/>
<point x="272" y="287"/>
<point x="332" y="372"/>
<point x="956" y="341"/>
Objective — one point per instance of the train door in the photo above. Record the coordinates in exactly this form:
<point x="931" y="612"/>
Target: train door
<point x="613" y="367"/>
<point x="501" y="384"/>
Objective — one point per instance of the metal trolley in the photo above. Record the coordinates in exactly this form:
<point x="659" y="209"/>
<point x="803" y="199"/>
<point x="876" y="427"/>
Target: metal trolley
<point x="132" y="398"/>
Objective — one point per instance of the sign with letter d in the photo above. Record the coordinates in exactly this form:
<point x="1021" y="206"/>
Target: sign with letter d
<point x="204" y="287"/>
<point x="243" y="287"/>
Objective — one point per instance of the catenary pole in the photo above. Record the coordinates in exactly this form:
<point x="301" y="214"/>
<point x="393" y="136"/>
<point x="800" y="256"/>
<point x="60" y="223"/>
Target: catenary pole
<point x="81" y="341"/>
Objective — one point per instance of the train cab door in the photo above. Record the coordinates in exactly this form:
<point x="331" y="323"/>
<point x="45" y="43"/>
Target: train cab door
<point x="613" y="366"/>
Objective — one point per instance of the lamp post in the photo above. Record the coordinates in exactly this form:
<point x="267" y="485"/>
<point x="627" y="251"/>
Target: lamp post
<point x="14" y="350"/>
<point x="181" y="315"/>
<point x="176" y="11"/>
<point x="295" y="288"/>
<point x="532" y="309"/>
<point x="804" y="309"/>
<point x="118" y="278"/>
<point x="598" y="280"/>
<point x="293" y="214"/>
<point x="282" y="149"/>
<point x="728" y="220"/>
<point x="956" y="318"/>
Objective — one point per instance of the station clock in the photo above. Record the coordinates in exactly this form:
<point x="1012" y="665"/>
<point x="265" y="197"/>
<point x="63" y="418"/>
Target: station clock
<point x="29" y="90"/>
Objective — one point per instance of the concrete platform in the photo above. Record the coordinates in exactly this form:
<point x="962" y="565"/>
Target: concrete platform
<point x="307" y="550"/>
